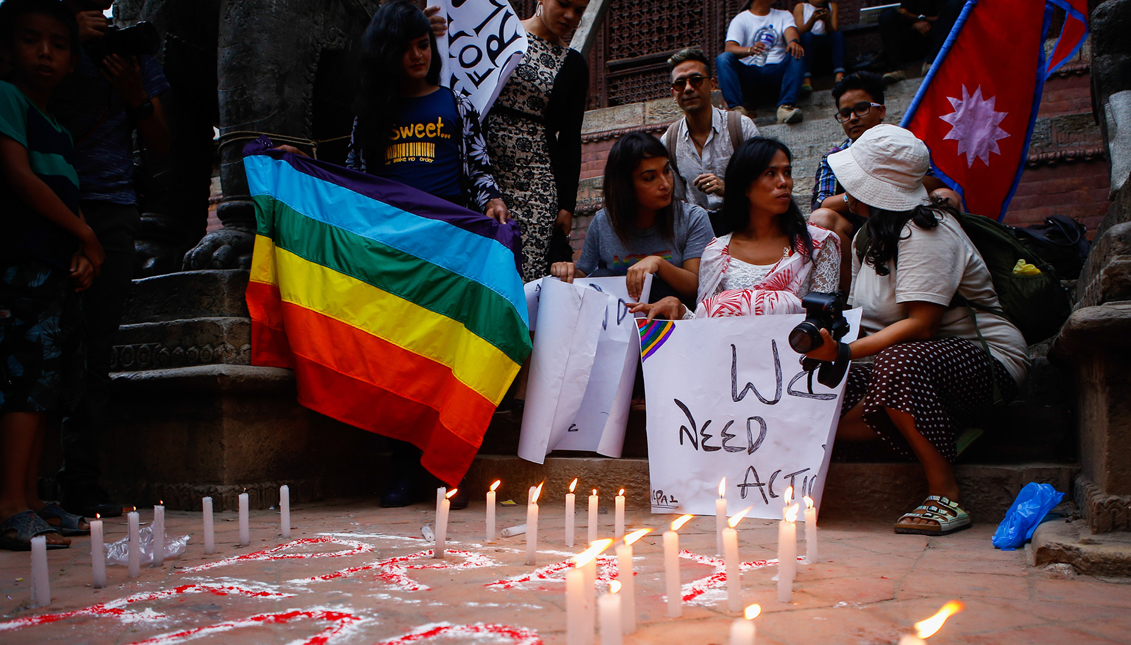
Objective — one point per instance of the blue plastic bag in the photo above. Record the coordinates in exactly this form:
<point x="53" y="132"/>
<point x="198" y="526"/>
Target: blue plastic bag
<point x="1033" y="503"/>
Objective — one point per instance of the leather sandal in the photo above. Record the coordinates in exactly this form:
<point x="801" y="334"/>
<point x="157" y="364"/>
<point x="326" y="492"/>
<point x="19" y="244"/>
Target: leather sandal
<point x="68" y="522"/>
<point x="948" y="515"/>
<point x="26" y="525"/>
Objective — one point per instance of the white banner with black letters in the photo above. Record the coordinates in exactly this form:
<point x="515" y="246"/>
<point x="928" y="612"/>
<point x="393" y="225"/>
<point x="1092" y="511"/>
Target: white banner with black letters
<point x="727" y="397"/>
<point x="484" y="43"/>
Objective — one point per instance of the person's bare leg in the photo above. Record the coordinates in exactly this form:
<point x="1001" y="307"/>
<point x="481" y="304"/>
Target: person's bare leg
<point x="852" y="427"/>
<point x="17" y="440"/>
<point x="31" y="483"/>
<point x="940" y="474"/>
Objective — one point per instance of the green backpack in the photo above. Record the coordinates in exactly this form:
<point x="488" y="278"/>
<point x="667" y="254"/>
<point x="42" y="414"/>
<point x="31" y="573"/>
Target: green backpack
<point x="1036" y="304"/>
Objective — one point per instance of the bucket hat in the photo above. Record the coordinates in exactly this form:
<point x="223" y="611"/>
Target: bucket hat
<point x="884" y="168"/>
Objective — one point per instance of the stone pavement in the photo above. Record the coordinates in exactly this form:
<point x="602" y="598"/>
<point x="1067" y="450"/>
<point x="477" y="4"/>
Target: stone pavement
<point x="354" y="575"/>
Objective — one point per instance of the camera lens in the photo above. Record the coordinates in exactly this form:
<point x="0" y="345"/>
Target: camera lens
<point x="805" y="337"/>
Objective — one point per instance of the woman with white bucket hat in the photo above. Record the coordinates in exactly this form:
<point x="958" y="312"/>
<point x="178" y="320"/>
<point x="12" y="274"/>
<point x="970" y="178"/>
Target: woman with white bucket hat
<point x="931" y="377"/>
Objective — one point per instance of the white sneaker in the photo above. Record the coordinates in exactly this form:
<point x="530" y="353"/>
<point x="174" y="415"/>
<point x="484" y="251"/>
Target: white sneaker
<point x="896" y="76"/>
<point x="789" y="114"/>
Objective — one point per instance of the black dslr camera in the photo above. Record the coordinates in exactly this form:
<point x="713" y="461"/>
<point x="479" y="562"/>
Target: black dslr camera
<point x="141" y="39"/>
<point x="822" y="311"/>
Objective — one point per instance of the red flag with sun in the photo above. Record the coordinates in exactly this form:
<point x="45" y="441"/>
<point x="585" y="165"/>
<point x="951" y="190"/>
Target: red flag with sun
<point x="977" y="105"/>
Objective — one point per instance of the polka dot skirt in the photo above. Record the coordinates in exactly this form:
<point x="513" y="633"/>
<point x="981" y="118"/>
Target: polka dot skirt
<point x="944" y="384"/>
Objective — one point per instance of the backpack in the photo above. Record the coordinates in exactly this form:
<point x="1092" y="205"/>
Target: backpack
<point x="1061" y="241"/>
<point x="1036" y="304"/>
<point x="734" y="128"/>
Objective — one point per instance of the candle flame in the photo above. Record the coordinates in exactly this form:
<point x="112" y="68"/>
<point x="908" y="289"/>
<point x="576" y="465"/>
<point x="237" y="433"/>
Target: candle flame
<point x="592" y="552"/>
<point x="791" y="513"/>
<point x="451" y="492"/>
<point x="537" y="493"/>
<point x="160" y="502"/>
<point x="928" y="627"/>
<point x="496" y="484"/>
<point x="631" y="538"/>
<point x="614" y="586"/>
<point x="573" y="484"/>
<point x="722" y="486"/>
<point x="681" y="521"/>
<point x="788" y="495"/>
<point x="621" y="493"/>
<point x="752" y="611"/>
<point x="594" y="492"/>
<point x="737" y="517"/>
<point x="808" y="502"/>
<point x="97" y="516"/>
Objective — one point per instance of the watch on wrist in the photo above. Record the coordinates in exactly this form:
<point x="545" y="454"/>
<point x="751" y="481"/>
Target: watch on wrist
<point x="141" y="112"/>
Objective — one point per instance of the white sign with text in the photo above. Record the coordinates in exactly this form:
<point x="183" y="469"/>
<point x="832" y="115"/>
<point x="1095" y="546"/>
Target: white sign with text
<point x="484" y="43"/>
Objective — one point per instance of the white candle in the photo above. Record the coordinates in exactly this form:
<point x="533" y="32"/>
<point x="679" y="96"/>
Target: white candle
<point x="609" y="609"/>
<point x="787" y="554"/>
<point x="579" y="608"/>
<point x="570" y="532"/>
<point x="720" y="517"/>
<point x="532" y="525"/>
<point x="671" y="568"/>
<point x="40" y="587"/>
<point x="442" y="523"/>
<point x="593" y="517"/>
<point x="733" y="564"/>
<point x="742" y="630"/>
<point x="589" y="569"/>
<point x="285" y="511"/>
<point x="209" y="533"/>
<point x="908" y="639"/>
<point x="134" y="544"/>
<point x="625" y="574"/>
<point x="97" y="553"/>
<point x="158" y="529"/>
<point x="618" y="522"/>
<point x="491" y="512"/>
<point x="513" y="531"/>
<point x="811" y="555"/>
<point x="245" y="531"/>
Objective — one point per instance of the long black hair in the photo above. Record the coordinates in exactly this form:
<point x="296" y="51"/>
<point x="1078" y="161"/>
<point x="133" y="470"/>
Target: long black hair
<point x="884" y="229"/>
<point x="748" y="162"/>
<point x="620" y="188"/>
<point x="384" y="44"/>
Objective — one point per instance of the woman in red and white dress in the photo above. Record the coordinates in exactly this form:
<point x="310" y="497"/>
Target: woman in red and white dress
<point x="771" y="258"/>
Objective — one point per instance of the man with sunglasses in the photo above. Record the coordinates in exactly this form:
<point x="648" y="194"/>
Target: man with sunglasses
<point x="860" y="106"/>
<point x="701" y="143"/>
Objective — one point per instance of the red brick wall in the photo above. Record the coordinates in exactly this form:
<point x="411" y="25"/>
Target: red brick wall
<point x="1078" y="189"/>
<point x="593" y="157"/>
<point x="1066" y="95"/>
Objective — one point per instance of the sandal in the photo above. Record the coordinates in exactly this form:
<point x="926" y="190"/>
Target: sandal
<point x="948" y="514"/>
<point x="26" y="525"/>
<point x="68" y="522"/>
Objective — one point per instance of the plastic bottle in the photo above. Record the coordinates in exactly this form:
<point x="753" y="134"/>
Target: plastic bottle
<point x="766" y="35"/>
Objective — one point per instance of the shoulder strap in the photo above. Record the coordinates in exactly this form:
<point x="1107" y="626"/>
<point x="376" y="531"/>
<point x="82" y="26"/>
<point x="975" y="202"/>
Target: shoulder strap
<point x="734" y="127"/>
<point x="679" y="190"/>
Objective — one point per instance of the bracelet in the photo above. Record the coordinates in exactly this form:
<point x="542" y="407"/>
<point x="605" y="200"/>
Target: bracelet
<point x="793" y="41"/>
<point x="845" y="198"/>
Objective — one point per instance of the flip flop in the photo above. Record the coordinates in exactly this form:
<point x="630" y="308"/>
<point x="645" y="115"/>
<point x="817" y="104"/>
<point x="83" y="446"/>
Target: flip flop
<point x="26" y="525"/>
<point x="68" y="522"/>
<point x="946" y="512"/>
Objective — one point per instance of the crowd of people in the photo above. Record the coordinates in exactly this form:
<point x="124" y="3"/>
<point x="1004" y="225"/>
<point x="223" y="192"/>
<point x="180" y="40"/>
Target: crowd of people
<point x="707" y="210"/>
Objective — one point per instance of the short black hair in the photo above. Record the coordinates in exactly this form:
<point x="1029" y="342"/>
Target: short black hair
<point x="869" y="82"/>
<point x="689" y="53"/>
<point x="13" y="9"/>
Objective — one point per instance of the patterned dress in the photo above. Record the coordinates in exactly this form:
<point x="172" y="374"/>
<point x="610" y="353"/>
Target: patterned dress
<point x="519" y="146"/>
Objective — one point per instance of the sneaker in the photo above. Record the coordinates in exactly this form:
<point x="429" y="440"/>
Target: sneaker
<point x="741" y="110"/>
<point x="88" y="500"/>
<point x="789" y="114"/>
<point x="896" y="76"/>
<point x="806" y="88"/>
<point x="926" y="67"/>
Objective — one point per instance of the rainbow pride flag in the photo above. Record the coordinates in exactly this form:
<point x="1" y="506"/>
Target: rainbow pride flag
<point x="400" y="313"/>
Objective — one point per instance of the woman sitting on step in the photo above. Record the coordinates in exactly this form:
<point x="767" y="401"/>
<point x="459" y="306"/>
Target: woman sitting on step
<point x="771" y="258"/>
<point x="933" y="373"/>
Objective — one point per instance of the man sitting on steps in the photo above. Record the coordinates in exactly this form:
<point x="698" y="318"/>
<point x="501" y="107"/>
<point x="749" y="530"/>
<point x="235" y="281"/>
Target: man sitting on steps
<point x="763" y="50"/>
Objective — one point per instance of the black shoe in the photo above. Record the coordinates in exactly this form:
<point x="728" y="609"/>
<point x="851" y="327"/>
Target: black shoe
<point x="401" y="494"/>
<point x="461" y="498"/>
<point x="88" y="500"/>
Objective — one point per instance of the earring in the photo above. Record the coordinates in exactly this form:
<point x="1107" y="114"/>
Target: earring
<point x="538" y="10"/>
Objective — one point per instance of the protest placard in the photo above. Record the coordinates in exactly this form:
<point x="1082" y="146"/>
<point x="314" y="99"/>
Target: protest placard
<point x="727" y="398"/>
<point x="484" y="43"/>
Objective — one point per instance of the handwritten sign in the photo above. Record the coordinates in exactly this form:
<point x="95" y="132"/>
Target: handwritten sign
<point x="727" y="397"/>
<point x="484" y="43"/>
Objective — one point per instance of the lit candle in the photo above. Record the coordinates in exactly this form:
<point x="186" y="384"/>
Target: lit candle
<point x="569" y="514"/>
<point x="625" y="574"/>
<point x="730" y="551"/>
<point x="158" y="529"/>
<point x="134" y="544"/>
<point x="40" y="587"/>
<point x="285" y="511"/>
<point x="742" y="630"/>
<point x="491" y="511"/>
<point x="720" y="516"/>
<point x="671" y="568"/>
<point x="618" y="522"/>
<point x="245" y="532"/>
<point x="589" y="569"/>
<point x="927" y="628"/>
<point x="442" y="523"/>
<point x="577" y="612"/>
<point x="532" y="525"/>
<point x="609" y="608"/>
<point x="209" y="532"/>
<point x="787" y="554"/>
<point x="97" y="552"/>
<point x="810" y="531"/>
<point x="593" y="517"/>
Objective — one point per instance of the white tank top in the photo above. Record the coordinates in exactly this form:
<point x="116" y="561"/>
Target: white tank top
<point x="807" y="12"/>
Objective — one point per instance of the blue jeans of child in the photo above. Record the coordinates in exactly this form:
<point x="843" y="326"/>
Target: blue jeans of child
<point x="739" y="80"/>
<point x="818" y="46"/>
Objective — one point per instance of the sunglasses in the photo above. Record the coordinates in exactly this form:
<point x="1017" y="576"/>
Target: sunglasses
<point x="696" y="80"/>
<point x="861" y="109"/>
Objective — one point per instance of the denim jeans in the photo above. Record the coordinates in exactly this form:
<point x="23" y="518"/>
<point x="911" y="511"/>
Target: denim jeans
<point x="820" y="45"/>
<point x="739" y="80"/>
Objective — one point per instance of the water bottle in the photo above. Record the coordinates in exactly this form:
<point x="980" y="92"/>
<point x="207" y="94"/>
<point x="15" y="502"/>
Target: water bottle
<point x="766" y="35"/>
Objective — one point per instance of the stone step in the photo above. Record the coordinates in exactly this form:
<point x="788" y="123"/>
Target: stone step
<point x="188" y="294"/>
<point x="182" y="343"/>
<point x="853" y="490"/>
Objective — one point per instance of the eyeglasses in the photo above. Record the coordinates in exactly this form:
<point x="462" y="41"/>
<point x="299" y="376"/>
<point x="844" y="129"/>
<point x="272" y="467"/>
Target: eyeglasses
<point x="861" y="110"/>
<point x="696" y="80"/>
